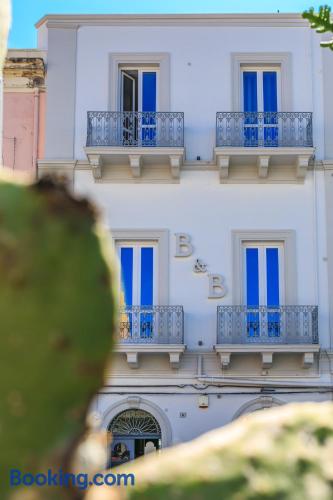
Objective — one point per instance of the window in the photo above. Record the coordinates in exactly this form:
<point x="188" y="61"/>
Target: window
<point x="261" y="89"/>
<point x="138" y="102"/>
<point x="138" y="262"/>
<point x="263" y="285"/>
<point x="138" y="89"/>
<point x="261" y="101"/>
<point x="138" y="289"/>
<point x="158" y="239"/>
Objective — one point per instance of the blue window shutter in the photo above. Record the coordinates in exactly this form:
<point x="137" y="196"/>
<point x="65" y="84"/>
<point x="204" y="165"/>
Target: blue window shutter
<point x="149" y="91"/>
<point x="270" y="91"/>
<point x="147" y="266"/>
<point x="250" y="91"/>
<point x="252" y="277"/>
<point x="272" y="273"/>
<point x="126" y="259"/>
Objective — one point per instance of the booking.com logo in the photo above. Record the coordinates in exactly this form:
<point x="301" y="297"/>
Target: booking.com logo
<point x="65" y="479"/>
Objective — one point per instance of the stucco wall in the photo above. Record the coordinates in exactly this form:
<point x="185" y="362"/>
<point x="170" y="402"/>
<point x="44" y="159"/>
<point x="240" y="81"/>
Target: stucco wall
<point x="208" y="212"/>
<point x="200" y="71"/>
<point x="20" y="128"/>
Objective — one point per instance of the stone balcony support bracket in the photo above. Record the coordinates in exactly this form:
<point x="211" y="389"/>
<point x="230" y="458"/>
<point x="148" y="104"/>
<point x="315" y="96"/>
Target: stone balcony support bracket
<point x="225" y="359"/>
<point x="223" y="163"/>
<point x="308" y="359"/>
<point x="139" y="159"/>
<point x="135" y="162"/>
<point x="132" y="359"/>
<point x="133" y="351"/>
<point x="263" y="163"/>
<point x="175" y="164"/>
<point x="267" y="359"/>
<point x="302" y="163"/>
<point x="267" y="352"/>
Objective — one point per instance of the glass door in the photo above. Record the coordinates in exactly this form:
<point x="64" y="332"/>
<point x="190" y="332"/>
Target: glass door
<point x="263" y="289"/>
<point x="261" y="91"/>
<point x="138" y="288"/>
<point x="138" y="103"/>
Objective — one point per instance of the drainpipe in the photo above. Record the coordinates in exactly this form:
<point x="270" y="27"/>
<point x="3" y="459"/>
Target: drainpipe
<point x="199" y="366"/>
<point x="35" y="131"/>
<point x="253" y="382"/>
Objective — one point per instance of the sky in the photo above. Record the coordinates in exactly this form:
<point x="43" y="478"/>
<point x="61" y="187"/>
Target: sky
<point x="25" y="13"/>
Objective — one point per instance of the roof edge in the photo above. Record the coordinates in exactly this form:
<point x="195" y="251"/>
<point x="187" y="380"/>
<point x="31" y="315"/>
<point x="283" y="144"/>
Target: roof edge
<point x="255" y="19"/>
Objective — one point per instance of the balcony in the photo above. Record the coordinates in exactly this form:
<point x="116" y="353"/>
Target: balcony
<point x="267" y="330"/>
<point x="130" y="143"/>
<point x="267" y="142"/>
<point x="151" y="329"/>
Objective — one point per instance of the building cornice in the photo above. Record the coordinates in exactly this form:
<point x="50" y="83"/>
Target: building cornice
<point x="26" y="54"/>
<point x="250" y="20"/>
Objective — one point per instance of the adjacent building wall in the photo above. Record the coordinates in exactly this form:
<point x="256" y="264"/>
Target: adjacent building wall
<point x="23" y="110"/>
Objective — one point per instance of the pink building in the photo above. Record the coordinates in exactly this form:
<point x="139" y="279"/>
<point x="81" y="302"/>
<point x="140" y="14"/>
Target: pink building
<point x="23" y="109"/>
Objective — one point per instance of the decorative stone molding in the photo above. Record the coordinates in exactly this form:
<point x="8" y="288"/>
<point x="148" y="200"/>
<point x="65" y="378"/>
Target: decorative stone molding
<point x="278" y="59"/>
<point x="162" y="238"/>
<point x="60" y="168"/>
<point x="257" y="404"/>
<point x="133" y="402"/>
<point x="252" y="20"/>
<point x="288" y="237"/>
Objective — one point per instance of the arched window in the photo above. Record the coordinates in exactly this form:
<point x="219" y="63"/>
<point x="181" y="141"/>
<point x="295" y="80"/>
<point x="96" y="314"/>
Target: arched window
<point x="135" y="423"/>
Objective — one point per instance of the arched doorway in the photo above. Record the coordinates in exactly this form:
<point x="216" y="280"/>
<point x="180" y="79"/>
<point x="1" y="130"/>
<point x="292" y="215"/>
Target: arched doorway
<point x="258" y="404"/>
<point x="134" y="433"/>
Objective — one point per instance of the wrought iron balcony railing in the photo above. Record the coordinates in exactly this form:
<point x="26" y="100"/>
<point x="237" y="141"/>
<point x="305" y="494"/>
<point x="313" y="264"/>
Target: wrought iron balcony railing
<point x="151" y="324"/>
<point x="138" y="129"/>
<point x="252" y="129"/>
<point x="267" y="325"/>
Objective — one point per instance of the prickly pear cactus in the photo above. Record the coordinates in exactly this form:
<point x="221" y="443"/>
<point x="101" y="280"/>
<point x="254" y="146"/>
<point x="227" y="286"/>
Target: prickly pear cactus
<point x="56" y="323"/>
<point x="282" y="454"/>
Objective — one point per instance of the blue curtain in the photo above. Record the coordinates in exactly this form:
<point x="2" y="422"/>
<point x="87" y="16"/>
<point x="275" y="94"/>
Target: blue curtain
<point x="127" y="274"/>
<point x="250" y="91"/>
<point x="250" y="106"/>
<point x="149" y="91"/>
<point x="148" y="135"/>
<point x="270" y="106"/>
<point x="147" y="283"/>
<point x="273" y="292"/>
<point x="252" y="291"/>
<point x="147" y="256"/>
<point x="270" y="90"/>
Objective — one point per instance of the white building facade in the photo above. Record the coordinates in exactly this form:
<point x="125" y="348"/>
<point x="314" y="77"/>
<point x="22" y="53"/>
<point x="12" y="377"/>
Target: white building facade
<point x="205" y="141"/>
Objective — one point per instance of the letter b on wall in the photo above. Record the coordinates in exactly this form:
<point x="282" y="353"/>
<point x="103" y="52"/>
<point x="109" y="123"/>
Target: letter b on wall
<point x="184" y="246"/>
<point x="217" y="288"/>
